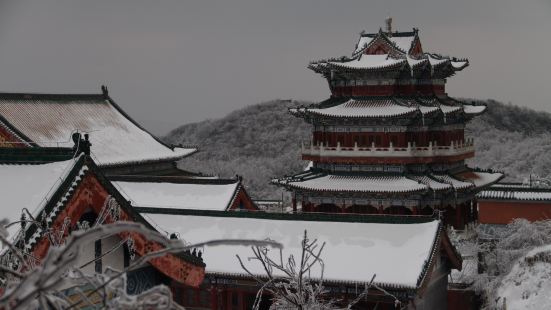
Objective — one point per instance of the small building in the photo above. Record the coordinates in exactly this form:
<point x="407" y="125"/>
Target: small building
<point x="501" y="203"/>
<point x="410" y="256"/>
<point x="72" y="192"/>
<point x="176" y="192"/>
<point x="120" y="144"/>
<point x="389" y="139"/>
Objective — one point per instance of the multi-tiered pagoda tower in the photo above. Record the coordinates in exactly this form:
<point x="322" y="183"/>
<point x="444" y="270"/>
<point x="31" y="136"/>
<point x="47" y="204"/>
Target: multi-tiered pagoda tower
<point x="389" y="139"/>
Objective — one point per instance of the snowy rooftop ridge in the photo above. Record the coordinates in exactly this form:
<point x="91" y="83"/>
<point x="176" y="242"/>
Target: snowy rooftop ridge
<point x="201" y="194"/>
<point x="310" y="180"/>
<point x="391" y="106"/>
<point x="378" y="243"/>
<point x="48" y="120"/>
<point x="31" y="187"/>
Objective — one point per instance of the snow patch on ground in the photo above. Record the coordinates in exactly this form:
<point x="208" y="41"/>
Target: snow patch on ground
<point x="528" y="284"/>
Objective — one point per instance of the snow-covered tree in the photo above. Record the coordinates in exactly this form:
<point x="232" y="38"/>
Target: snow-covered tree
<point x="42" y="285"/>
<point x="501" y="248"/>
<point x="291" y="285"/>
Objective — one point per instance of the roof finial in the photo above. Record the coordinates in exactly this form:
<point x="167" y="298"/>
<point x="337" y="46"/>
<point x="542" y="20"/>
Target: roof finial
<point x="104" y="91"/>
<point x="388" y="22"/>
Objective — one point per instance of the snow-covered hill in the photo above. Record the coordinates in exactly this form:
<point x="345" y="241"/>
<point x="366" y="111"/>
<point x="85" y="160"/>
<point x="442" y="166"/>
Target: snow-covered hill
<point x="528" y="284"/>
<point x="262" y="141"/>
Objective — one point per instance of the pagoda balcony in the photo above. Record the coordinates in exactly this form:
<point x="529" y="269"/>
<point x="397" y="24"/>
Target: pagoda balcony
<point x="457" y="150"/>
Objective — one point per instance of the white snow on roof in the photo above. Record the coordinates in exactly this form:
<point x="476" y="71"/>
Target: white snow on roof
<point x="382" y="184"/>
<point x="369" y="62"/>
<point x="527" y="285"/>
<point x="459" y="64"/>
<point x="362" y="43"/>
<point x="474" y="109"/>
<point x="449" y="109"/>
<point x="430" y="182"/>
<point x="457" y="184"/>
<point x="436" y="61"/>
<point x="115" y="139"/>
<point x="481" y="179"/>
<point x="415" y="62"/>
<point x="403" y="43"/>
<point x="29" y="186"/>
<point x="178" y="196"/>
<point x="367" y="108"/>
<point x="515" y="195"/>
<point x="353" y="251"/>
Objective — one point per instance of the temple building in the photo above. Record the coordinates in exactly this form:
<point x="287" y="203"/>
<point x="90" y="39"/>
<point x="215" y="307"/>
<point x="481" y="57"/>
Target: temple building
<point x="389" y="139"/>
<point x="501" y="203"/>
<point x="357" y="247"/>
<point x="120" y="144"/>
<point x="47" y="195"/>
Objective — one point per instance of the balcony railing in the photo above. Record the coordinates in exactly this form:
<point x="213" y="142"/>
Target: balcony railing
<point x="432" y="150"/>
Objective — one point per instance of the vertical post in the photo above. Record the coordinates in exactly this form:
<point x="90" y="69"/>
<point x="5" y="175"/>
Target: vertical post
<point x="213" y="297"/>
<point x="294" y="201"/>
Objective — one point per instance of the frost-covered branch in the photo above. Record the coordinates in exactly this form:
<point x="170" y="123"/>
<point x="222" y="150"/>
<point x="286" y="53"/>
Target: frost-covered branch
<point x="43" y="285"/>
<point x="292" y="286"/>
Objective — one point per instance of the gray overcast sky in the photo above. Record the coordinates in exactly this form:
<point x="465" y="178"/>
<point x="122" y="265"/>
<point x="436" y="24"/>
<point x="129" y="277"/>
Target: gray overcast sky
<point x="173" y="62"/>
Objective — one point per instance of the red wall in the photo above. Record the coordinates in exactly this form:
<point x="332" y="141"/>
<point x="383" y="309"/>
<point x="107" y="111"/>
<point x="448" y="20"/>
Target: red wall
<point x="460" y="299"/>
<point x="504" y="212"/>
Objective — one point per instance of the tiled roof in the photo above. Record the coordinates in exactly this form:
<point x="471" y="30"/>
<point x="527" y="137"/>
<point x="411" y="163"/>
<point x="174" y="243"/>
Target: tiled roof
<point x="395" y="106"/>
<point x="354" y="251"/>
<point x="49" y="120"/>
<point x="520" y="192"/>
<point x="202" y="194"/>
<point x="388" y="183"/>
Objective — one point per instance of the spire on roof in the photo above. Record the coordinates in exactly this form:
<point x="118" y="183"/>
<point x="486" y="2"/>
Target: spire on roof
<point x="388" y="22"/>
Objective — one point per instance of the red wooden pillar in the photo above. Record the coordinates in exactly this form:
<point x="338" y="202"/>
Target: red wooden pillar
<point x="381" y="210"/>
<point x="213" y="298"/>
<point x="294" y="201"/>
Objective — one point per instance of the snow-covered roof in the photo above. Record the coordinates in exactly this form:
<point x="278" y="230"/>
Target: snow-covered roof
<point x="369" y="62"/>
<point x="49" y="120"/>
<point x="482" y="179"/>
<point x="395" y="106"/>
<point x="198" y="196"/>
<point x="30" y="186"/>
<point x="353" y="253"/>
<point x="346" y="183"/>
<point x="362" y="108"/>
<point x="388" y="183"/>
<point x="515" y="192"/>
<point x="402" y="40"/>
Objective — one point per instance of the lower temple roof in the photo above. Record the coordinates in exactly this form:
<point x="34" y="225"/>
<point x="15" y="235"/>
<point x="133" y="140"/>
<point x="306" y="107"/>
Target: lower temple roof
<point x="391" y="106"/>
<point x="312" y="181"/>
<point x="354" y="250"/>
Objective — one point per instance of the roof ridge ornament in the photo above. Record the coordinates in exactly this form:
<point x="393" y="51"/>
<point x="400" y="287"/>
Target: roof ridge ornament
<point x="104" y="91"/>
<point x="388" y="22"/>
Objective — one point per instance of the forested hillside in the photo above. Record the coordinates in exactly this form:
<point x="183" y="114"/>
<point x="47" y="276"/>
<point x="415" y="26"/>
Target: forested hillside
<point x="262" y="141"/>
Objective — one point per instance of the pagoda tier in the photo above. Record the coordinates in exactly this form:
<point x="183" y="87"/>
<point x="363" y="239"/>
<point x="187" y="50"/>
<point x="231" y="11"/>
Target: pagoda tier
<point x="389" y="139"/>
<point x="388" y="63"/>
<point x="377" y="193"/>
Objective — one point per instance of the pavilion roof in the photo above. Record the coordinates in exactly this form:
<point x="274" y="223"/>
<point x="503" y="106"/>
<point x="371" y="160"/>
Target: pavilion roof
<point x="47" y="120"/>
<point x="400" y="55"/>
<point x="357" y="247"/>
<point x="387" y="183"/>
<point x="395" y="106"/>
